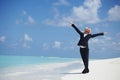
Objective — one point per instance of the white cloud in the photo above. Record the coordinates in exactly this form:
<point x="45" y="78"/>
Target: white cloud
<point x="114" y="13"/>
<point x="101" y="41"/>
<point x="57" y="44"/>
<point x="2" y="38"/>
<point x="84" y="14"/>
<point x="61" y="2"/>
<point x="87" y="13"/>
<point x="27" y="39"/>
<point x="30" y="20"/>
<point x="56" y="22"/>
<point x="107" y="38"/>
<point x="26" y="19"/>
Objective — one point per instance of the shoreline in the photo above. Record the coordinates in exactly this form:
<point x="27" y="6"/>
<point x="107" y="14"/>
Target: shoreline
<point x="38" y="72"/>
<point x="105" y="69"/>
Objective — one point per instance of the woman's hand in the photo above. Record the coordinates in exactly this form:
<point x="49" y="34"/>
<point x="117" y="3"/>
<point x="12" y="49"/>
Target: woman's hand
<point x="105" y="33"/>
<point x="70" y="23"/>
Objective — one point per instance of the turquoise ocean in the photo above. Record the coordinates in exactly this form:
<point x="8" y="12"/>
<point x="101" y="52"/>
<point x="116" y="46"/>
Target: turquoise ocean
<point x="14" y="61"/>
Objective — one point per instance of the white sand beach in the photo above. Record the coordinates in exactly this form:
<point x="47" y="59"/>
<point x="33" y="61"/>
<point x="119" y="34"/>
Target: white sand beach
<point x="106" y="69"/>
<point x="99" y="70"/>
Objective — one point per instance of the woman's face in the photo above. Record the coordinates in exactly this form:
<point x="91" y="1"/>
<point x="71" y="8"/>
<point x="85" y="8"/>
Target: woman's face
<point x="87" y="31"/>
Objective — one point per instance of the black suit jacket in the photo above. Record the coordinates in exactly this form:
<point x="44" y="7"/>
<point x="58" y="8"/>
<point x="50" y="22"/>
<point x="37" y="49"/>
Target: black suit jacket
<point x="84" y="40"/>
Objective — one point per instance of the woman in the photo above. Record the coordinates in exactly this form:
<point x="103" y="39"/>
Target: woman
<point x="83" y="43"/>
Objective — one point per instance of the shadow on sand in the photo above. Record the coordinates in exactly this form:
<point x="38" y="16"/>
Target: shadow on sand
<point x="71" y="73"/>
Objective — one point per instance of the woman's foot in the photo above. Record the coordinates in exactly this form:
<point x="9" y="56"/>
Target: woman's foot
<point x="85" y="71"/>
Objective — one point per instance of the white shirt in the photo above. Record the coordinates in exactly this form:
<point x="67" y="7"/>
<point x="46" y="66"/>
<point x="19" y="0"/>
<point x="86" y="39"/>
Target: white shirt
<point x="82" y="46"/>
<point x="85" y="35"/>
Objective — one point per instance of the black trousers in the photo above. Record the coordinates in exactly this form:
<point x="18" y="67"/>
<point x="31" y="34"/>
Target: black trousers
<point x="85" y="56"/>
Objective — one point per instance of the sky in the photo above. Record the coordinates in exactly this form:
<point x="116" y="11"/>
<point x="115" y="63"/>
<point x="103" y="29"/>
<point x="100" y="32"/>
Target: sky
<point x="40" y="27"/>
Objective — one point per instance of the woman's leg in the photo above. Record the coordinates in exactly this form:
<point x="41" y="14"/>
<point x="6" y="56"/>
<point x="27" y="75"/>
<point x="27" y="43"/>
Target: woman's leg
<point x="85" y="57"/>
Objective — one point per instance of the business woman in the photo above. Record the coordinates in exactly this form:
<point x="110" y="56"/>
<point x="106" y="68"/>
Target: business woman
<point x="83" y="44"/>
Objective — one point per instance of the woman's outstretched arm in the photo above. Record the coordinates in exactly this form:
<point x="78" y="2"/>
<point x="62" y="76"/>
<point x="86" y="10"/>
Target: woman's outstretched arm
<point x="76" y="29"/>
<point x="98" y="34"/>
